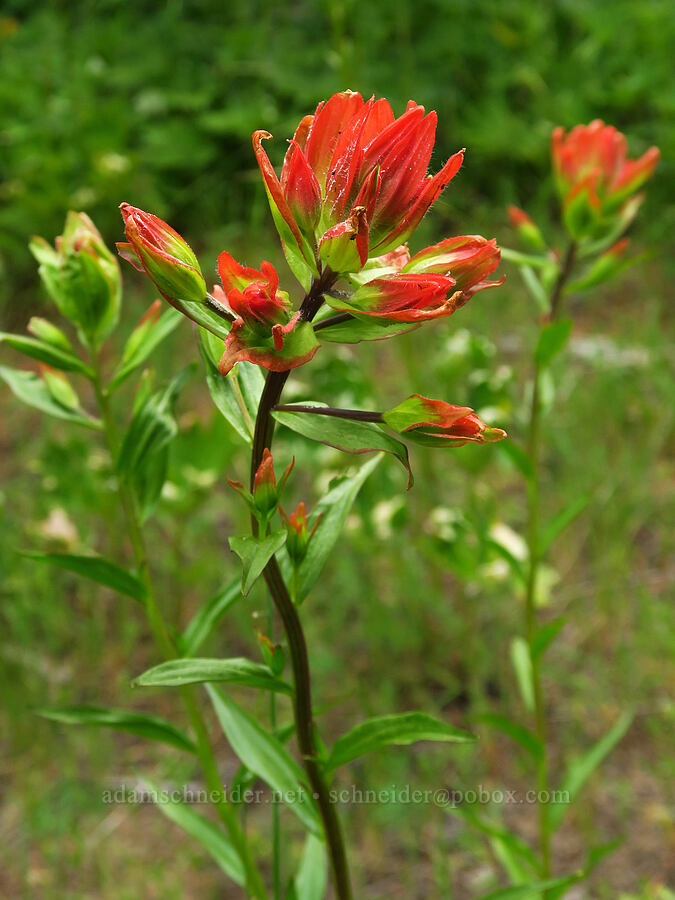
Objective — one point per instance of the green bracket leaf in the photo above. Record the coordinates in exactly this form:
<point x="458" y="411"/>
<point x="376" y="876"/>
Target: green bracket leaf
<point x="141" y="343"/>
<point x="203" y="622"/>
<point x="254" y="554"/>
<point x="346" y="435"/>
<point x="212" y="838"/>
<point x="383" y="731"/>
<point x="177" y="672"/>
<point x="522" y="665"/>
<point x="263" y="754"/>
<point x="97" y="569"/>
<point x="145" y="726"/>
<point x="58" y="357"/>
<point x="552" y="339"/>
<point x="518" y="733"/>
<point x="31" y="389"/>
<point x="333" y="509"/>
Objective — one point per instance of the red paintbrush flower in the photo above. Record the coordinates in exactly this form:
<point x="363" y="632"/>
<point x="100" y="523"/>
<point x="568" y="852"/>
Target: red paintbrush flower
<point x="354" y="156"/>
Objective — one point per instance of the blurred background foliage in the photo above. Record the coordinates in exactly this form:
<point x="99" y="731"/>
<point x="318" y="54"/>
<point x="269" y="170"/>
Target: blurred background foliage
<point x="154" y="103"/>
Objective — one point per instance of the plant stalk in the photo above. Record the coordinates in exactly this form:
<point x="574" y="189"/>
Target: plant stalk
<point x="302" y="699"/>
<point x="534" y="452"/>
<point x="254" y="884"/>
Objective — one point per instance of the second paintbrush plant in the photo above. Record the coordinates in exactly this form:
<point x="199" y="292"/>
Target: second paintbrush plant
<point x="353" y="188"/>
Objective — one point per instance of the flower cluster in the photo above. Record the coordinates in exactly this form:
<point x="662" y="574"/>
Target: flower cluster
<point x="353" y="188"/>
<point x="596" y="180"/>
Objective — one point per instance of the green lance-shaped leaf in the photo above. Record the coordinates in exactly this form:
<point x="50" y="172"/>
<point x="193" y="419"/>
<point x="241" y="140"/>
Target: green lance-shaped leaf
<point x="310" y="881"/>
<point x="145" y="338"/>
<point x="581" y="770"/>
<point x="56" y="356"/>
<point x="383" y="731"/>
<point x="237" y="394"/>
<point x="353" y="331"/>
<point x="522" y="665"/>
<point x="254" y="554"/>
<point x="212" y="838"/>
<point x="145" y="726"/>
<point x="177" y="672"/>
<point x="97" y="569"/>
<point x="346" y="435"/>
<point x="31" y="389"/>
<point x="333" y="509"/>
<point x="518" y="733"/>
<point x="205" y="620"/>
<point x="531" y="889"/>
<point x="515" y="847"/>
<point x="143" y="458"/>
<point x="263" y="754"/>
<point x="560" y="521"/>
<point x="546" y="635"/>
<point x="552" y="339"/>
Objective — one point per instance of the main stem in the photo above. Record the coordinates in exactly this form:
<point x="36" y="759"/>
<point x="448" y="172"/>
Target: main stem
<point x="302" y="700"/>
<point x="160" y="632"/>
<point x="534" y="451"/>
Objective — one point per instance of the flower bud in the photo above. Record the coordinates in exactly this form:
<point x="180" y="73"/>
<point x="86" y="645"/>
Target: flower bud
<point x="297" y="542"/>
<point x="266" y="492"/>
<point x="435" y="423"/>
<point x="526" y="229"/>
<point x="81" y="276"/>
<point x="60" y="389"/>
<point x="159" y="251"/>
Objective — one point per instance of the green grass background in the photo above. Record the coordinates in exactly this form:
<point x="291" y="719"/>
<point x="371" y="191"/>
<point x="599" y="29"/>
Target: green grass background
<point x="154" y="103"/>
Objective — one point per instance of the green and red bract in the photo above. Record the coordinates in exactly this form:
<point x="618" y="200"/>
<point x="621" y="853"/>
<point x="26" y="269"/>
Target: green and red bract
<point x="436" y="423"/>
<point x="155" y="248"/>
<point x="354" y="155"/>
<point x="468" y="259"/>
<point x="264" y="331"/>
<point x="430" y="285"/>
<point x="297" y="542"/>
<point x="594" y="174"/>
<point x="526" y="228"/>
<point x="266" y="491"/>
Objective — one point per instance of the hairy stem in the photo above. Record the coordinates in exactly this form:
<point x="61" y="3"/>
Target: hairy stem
<point x="302" y="701"/>
<point x="254" y="885"/>
<point x="534" y="451"/>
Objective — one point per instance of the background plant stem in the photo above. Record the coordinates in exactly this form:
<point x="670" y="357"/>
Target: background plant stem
<point x="534" y="452"/>
<point x="226" y="813"/>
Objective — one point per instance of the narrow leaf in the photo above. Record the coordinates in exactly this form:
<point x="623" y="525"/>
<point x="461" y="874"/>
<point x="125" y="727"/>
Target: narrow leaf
<point x="532" y="890"/>
<point x="518" y="456"/>
<point x="254" y="554"/>
<point x="145" y="726"/>
<point x="355" y="330"/>
<point x="97" y="569"/>
<point x="203" y="622"/>
<point x="139" y="346"/>
<point x="522" y="664"/>
<point x="263" y="754"/>
<point x="581" y="770"/>
<point x="31" y="389"/>
<point x="545" y="636"/>
<point x="552" y="339"/>
<point x="210" y="836"/>
<point x="177" y="672"/>
<point x="513" y="843"/>
<point x="346" y="435"/>
<point x="58" y="357"/>
<point x="383" y="731"/>
<point x="560" y="521"/>
<point x="516" y="732"/>
<point x="235" y="395"/>
<point x="331" y="510"/>
<point x="311" y="880"/>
